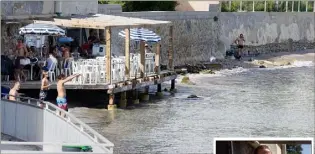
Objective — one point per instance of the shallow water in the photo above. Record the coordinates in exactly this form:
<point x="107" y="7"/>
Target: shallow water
<point x="236" y="103"/>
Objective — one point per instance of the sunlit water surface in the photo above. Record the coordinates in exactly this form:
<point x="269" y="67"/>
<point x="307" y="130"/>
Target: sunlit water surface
<point x="235" y="103"/>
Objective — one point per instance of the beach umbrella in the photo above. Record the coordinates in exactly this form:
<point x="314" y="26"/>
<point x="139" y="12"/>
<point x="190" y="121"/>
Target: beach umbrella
<point x="42" y="29"/>
<point x="141" y="34"/>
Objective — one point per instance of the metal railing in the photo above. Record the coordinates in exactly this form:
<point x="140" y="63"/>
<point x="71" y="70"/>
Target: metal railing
<point x="98" y="139"/>
<point x="277" y="3"/>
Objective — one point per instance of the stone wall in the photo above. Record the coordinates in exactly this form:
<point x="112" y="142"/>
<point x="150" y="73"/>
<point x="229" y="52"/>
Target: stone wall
<point x="269" y="32"/>
<point x="197" y="36"/>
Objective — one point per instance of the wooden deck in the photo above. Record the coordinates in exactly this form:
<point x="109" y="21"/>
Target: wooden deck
<point x="114" y="88"/>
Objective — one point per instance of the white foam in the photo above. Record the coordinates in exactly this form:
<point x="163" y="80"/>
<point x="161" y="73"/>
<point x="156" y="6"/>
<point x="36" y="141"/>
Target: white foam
<point x="295" y="64"/>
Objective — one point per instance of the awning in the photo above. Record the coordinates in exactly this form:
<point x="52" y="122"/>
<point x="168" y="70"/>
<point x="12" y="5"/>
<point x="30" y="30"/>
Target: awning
<point x="100" y="21"/>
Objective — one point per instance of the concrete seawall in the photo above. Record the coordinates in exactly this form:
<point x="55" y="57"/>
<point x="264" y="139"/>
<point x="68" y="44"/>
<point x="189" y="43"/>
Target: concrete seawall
<point x="197" y="36"/>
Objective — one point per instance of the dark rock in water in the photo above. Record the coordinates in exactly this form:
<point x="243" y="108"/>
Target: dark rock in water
<point x="251" y="59"/>
<point x="165" y="89"/>
<point x="192" y="96"/>
<point x="262" y="66"/>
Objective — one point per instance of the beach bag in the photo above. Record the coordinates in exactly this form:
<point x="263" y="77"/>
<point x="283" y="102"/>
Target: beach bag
<point x="25" y="61"/>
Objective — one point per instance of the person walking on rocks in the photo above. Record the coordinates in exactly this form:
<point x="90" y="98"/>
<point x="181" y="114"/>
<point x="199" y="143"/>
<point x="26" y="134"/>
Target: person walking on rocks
<point x="240" y="41"/>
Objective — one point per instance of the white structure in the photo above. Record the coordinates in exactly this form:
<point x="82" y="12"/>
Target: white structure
<point x="43" y="127"/>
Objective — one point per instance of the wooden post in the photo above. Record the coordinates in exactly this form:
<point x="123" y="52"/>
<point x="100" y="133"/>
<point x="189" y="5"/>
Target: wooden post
<point x="111" y="105"/>
<point x="142" y="59"/>
<point x="157" y="58"/>
<point x="127" y="53"/>
<point x="108" y="58"/>
<point x="170" y="50"/>
<point x="123" y="100"/>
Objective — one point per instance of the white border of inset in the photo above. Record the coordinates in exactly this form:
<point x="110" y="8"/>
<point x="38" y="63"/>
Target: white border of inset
<point x="262" y="139"/>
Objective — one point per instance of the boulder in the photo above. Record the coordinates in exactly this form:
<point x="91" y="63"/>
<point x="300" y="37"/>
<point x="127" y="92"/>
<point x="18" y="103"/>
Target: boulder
<point x="192" y="96"/>
<point x="262" y="66"/>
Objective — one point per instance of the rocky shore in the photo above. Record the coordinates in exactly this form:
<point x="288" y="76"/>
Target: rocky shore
<point x="268" y="60"/>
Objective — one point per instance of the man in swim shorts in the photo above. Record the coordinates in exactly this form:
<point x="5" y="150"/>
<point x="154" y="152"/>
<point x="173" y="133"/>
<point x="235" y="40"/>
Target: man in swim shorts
<point x="61" y="98"/>
<point x="240" y="41"/>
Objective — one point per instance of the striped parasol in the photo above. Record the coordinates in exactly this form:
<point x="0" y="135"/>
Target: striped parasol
<point x="141" y="34"/>
<point x="42" y="29"/>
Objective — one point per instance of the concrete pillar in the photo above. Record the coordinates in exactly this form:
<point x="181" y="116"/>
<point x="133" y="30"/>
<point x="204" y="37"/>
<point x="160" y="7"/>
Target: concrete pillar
<point x="286" y="6"/>
<point x="253" y="6"/>
<point x="159" y="90"/>
<point x="292" y="6"/>
<point x="299" y="5"/>
<point x="172" y="85"/>
<point x="313" y="6"/>
<point x="145" y="96"/>
<point x="135" y="99"/>
<point x="306" y="6"/>
<point x="111" y="105"/>
<point x="265" y="8"/>
<point x="230" y="6"/>
<point x="123" y="100"/>
<point x="241" y="3"/>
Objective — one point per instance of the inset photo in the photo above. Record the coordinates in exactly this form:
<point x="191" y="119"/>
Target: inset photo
<point x="263" y="146"/>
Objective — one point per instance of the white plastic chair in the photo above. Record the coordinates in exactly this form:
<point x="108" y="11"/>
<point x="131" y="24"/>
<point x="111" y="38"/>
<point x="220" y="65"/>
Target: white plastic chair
<point x="51" y="72"/>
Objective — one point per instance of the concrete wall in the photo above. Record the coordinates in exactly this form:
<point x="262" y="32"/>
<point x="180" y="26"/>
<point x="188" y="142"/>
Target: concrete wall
<point x="269" y="32"/>
<point x="22" y="121"/>
<point x="197" y="36"/>
<point x="109" y="9"/>
<point x="79" y="7"/>
<point x="10" y="8"/>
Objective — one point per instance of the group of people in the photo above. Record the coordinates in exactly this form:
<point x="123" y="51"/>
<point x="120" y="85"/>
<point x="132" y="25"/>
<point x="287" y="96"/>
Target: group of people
<point x="61" y="99"/>
<point x="24" y="56"/>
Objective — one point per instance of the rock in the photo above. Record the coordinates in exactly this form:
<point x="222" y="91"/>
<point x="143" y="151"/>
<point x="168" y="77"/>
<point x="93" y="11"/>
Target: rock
<point x="207" y="72"/>
<point x="262" y="66"/>
<point x="192" y="96"/>
<point x="165" y="89"/>
<point x="186" y="80"/>
<point x="250" y="59"/>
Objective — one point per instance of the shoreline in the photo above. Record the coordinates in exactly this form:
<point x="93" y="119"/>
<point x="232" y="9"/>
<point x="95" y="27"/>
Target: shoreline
<point x="269" y="60"/>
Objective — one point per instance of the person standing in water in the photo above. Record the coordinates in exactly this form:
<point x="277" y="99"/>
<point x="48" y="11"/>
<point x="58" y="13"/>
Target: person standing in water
<point x="14" y="91"/>
<point x="61" y="98"/>
<point x="240" y="41"/>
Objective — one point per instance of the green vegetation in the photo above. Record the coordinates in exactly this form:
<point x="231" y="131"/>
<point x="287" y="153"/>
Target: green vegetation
<point x="133" y="6"/>
<point x="294" y="149"/>
<point x="271" y="6"/>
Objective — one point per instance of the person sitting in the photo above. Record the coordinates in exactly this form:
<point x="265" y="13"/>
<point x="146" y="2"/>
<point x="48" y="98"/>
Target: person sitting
<point x="52" y="60"/>
<point x="21" y="52"/>
<point x="14" y="91"/>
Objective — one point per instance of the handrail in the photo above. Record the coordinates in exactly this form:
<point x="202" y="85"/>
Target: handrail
<point x="69" y="119"/>
<point x="51" y="143"/>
